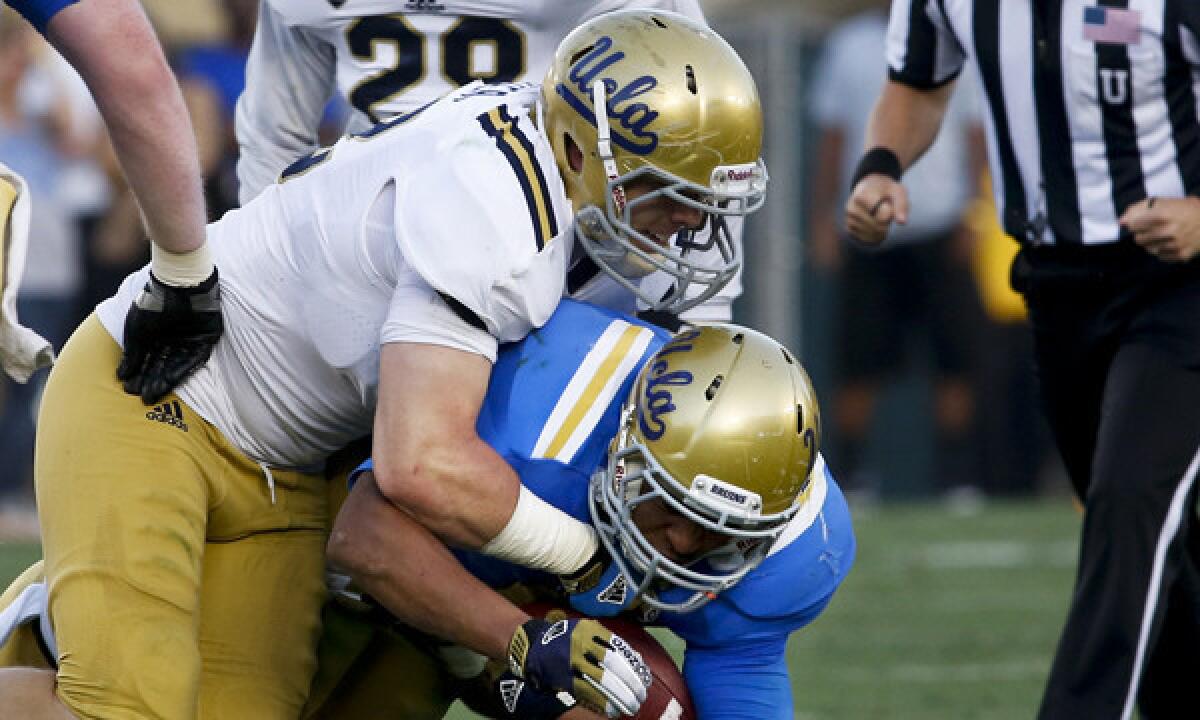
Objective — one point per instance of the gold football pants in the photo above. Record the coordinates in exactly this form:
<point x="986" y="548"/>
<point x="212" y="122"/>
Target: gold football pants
<point x="179" y="585"/>
<point x="370" y="671"/>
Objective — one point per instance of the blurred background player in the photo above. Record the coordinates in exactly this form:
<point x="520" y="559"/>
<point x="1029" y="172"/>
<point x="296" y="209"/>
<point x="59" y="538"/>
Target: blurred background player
<point x="329" y="338"/>
<point x="390" y="57"/>
<point x="913" y="300"/>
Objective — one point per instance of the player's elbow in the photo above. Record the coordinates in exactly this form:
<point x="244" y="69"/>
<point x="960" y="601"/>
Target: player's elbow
<point x="423" y="487"/>
<point x="340" y="549"/>
<point x="458" y="488"/>
<point x="351" y="549"/>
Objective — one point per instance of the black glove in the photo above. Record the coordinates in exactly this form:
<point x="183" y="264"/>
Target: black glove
<point x="597" y="667"/>
<point x="497" y="693"/>
<point x="169" y="332"/>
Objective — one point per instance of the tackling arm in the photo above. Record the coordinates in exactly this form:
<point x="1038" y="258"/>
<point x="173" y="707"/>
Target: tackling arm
<point x="395" y="560"/>
<point x="289" y="79"/>
<point x="428" y="458"/>
<point x="430" y="461"/>
<point x="415" y="577"/>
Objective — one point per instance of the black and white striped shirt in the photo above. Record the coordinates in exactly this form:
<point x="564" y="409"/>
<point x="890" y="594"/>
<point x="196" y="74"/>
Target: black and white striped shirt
<point x="1092" y="103"/>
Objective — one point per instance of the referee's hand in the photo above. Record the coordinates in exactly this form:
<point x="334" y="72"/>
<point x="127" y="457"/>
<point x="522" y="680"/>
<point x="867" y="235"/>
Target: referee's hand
<point x="1168" y="228"/>
<point x="874" y="204"/>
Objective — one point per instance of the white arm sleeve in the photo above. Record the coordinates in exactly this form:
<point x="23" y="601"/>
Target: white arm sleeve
<point x="419" y="315"/>
<point x="289" y="78"/>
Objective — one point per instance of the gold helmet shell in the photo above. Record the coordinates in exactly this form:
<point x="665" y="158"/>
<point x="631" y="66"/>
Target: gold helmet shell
<point x="653" y="95"/>
<point x="723" y="425"/>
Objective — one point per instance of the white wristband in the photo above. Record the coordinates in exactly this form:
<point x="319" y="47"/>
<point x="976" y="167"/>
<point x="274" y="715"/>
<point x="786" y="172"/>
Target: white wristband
<point x="187" y="269"/>
<point x="542" y="537"/>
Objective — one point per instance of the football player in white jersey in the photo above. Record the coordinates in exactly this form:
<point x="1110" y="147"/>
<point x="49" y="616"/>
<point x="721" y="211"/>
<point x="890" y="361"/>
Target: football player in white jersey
<point x="391" y="57"/>
<point x="367" y="291"/>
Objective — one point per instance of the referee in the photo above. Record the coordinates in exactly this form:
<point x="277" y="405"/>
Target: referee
<point x="1094" y="144"/>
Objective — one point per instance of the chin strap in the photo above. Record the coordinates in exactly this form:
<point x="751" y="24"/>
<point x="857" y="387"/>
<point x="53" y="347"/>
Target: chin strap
<point x="603" y="144"/>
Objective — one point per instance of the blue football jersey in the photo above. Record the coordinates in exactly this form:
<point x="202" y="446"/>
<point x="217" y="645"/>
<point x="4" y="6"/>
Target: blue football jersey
<point x="551" y="410"/>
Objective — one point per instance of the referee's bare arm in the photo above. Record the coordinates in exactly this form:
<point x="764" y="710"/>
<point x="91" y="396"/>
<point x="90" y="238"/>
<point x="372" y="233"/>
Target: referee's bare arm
<point x="905" y="121"/>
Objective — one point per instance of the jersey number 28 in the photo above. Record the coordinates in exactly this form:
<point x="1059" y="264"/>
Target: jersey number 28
<point x="457" y="45"/>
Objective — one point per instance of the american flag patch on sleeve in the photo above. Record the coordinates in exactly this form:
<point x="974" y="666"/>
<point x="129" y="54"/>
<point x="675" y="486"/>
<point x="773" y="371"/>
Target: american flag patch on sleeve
<point x="1111" y="25"/>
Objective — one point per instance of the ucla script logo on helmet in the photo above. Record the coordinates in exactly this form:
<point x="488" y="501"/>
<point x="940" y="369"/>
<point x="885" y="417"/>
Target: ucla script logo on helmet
<point x="657" y="400"/>
<point x="634" y="117"/>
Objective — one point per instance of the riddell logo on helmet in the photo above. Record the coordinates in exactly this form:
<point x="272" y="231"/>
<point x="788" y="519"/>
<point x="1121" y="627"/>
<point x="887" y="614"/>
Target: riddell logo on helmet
<point x="634" y="117"/>
<point x="728" y="494"/>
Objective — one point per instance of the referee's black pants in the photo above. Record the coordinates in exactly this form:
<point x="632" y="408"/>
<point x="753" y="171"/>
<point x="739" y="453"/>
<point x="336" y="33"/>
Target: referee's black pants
<point x="1117" y="337"/>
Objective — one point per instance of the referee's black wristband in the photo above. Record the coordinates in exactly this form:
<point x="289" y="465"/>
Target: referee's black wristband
<point x="877" y="160"/>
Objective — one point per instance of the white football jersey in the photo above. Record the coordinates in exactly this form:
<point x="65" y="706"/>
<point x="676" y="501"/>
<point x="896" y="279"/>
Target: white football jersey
<point x="387" y="57"/>
<point x="390" y="57"/>
<point x="350" y="250"/>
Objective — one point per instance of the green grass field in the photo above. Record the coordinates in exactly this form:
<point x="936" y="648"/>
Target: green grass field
<point x="944" y="617"/>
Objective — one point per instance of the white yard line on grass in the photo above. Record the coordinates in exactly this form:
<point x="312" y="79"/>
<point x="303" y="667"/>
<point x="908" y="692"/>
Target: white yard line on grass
<point x="940" y="673"/>
<point x="997" y="554"/>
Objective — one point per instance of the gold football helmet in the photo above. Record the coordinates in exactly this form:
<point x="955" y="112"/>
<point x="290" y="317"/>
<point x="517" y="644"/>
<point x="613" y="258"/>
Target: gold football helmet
<point x="654" y="96"/>
<point x="723" y="426"/>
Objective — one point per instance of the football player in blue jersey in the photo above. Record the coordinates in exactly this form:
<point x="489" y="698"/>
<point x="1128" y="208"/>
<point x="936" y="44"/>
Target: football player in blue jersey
<point x="695" y="458"/>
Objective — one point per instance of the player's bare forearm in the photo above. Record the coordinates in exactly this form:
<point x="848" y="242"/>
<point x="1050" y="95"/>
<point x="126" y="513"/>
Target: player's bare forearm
<point x="430" y="462"/>
<point x="112" y="45"/>
<point x="906" y="120"/>
<point x="397" y="561"/>
<point x="428" y="458"/>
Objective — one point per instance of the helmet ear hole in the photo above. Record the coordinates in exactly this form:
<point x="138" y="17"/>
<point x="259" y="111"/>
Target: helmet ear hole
<point x="573" y="153"/>
<point x="579" y="55"/>
<point x="713" y="386"/>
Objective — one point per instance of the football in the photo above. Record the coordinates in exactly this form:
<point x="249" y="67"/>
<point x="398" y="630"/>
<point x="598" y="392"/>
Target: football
<point x="668" y="698"/>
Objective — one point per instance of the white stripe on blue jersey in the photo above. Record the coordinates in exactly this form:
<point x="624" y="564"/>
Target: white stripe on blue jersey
<point x="804" y="518"/>
<point x="591" y="390"/>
